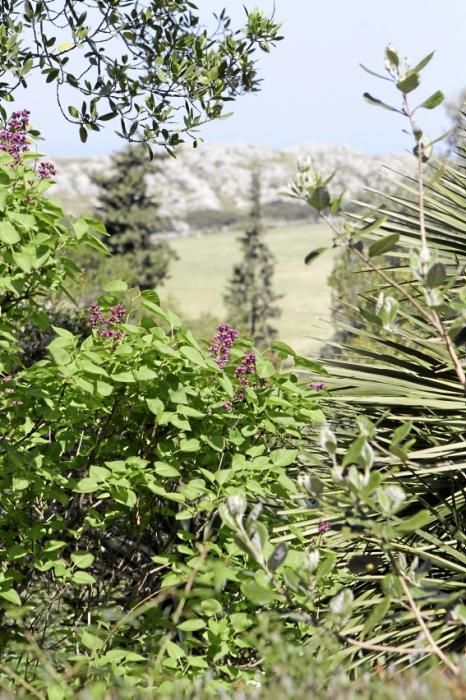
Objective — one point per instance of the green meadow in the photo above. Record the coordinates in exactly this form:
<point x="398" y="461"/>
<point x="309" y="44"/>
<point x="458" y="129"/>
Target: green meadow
<point x="198" y="278"/>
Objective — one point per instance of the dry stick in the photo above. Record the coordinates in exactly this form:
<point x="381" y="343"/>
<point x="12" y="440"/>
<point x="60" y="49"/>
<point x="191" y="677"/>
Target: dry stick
<point x="434" y="646"/>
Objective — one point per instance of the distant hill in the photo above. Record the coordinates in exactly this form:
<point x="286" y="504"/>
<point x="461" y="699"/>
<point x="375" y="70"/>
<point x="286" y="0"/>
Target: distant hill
<point x="208" y="187"/>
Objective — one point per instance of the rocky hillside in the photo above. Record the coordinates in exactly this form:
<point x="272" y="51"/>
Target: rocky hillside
<point x="209" y="186"/>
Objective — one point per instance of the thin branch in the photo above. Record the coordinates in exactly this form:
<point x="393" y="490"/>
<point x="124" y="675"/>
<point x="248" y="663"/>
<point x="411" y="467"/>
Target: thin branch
<point x="412" y="604"/>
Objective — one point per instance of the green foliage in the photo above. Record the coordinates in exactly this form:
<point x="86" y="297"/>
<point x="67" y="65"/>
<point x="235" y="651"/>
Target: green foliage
<point x="155" y="69"/>
<point x="172" y="525"/>
<point x="250" y="299"/>
<point x="118" y="453"/>
<point x="394" y="490"/>
<point x="131" y="218"/>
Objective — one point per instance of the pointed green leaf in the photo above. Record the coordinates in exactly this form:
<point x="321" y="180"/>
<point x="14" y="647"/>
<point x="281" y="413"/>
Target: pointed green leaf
<point x="384" y="245"/>
<point x="434" y="100"/>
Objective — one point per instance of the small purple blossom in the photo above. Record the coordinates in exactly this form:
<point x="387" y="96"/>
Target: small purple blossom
<point x="13" y="139"/>
<point x="227" y="405"/>
<point x="105" y="324"/>
<point x="117" y="314"/>
<point x="222" y="343"/>
<point x="247" y="367"/>
<point x="96" y="317"/>
<point x="239" y="396"/>
<point x="317" y="386"/>
<point x="46" y="169"/>
<point x="323" y="526"/>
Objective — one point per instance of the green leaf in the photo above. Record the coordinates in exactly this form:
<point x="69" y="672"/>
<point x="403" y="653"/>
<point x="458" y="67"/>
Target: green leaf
<point x="415" y="522"/>
<point x="11" y="596"/>
<point x="174" y="651"/>
<point x="156" y="407"/>
<point x="145" y="374"/>
<point x="384" y="245"/>
<point x="265" y="368"/>
<point x="90" y="367"/>
<point x="307" y="363"/>
<point x="123" y="377"/>
<point x="283" y="457"/>
<point x="279" y="346"/>
<point x="373" y="73"/>
<point x="374" y="226"/>
<point x="82" y="578"/>
<point x="191" y="445"/>
<point x="277" y="557"/>
<point x="378" y="103"/>
<point x="258" y="594"/>
<point x="166" y="470"/>
<point x="59" y="354"/>
<point x="342" y="603"/>
<point x="90" y="641"/>
<point x="87" y="485"/>
<point x="423" y="62"/>
<point x="392" y="57"/>
<point x="434" y="100"/>
<point x="436" y="275"/>
<point x="320" y="198"/>
<point x="310" y="257"/>
<point x="191" y="625"/>
<point x="193" y="355"/>
<point x="401" y="433"/>
<point x="3" y="198"/>
<point x="83" y="560"/>
<point x="116" y="286"/>
<point x="8" y="233"/>
<point x="25" y="259"/>
<point x="409" y="82"/>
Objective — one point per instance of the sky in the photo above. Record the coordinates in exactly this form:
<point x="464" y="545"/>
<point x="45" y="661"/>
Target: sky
<point x="312" y="83"/>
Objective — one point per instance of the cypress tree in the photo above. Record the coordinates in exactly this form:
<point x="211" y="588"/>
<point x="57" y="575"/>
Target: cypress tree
<point x="131" y="216"/>
<point x="250" y="298"/>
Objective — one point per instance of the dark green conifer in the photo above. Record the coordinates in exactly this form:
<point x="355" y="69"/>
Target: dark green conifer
<point x="250" y="298"/>
<point x="131" y="216"/>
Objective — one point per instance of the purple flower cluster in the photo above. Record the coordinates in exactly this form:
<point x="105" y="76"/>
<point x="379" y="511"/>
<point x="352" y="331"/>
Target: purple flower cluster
<point x="105" y="323"/>
<point x="323" y="526"/>
<point x="222" y="343"/>
<point x="220" y="349"/>
<point x="46" y="169"/>
<point x="13" y="139"/>
<point x="246" y="368"/>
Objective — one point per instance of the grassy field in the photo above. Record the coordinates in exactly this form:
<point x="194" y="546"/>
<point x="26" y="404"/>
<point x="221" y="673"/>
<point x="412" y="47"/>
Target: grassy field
<point x="205" y="262"/>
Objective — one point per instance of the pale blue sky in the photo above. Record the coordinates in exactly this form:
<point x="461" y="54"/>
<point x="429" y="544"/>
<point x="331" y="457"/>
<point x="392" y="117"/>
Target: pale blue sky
<point x="312" y="89"/>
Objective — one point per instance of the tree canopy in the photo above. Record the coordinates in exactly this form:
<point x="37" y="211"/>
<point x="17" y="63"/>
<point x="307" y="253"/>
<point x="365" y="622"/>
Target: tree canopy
<point x="153" y="67"/>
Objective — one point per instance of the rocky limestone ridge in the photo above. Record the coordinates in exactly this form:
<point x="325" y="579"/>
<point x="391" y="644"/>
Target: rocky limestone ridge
<point x="216" y="178"/>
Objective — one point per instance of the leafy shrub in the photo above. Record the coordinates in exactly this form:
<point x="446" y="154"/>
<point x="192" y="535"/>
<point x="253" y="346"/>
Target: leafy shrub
<point x="118" y="452"/>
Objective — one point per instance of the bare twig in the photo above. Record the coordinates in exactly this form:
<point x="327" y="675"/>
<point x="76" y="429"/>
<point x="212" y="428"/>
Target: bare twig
<point x="417" y="613"/>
